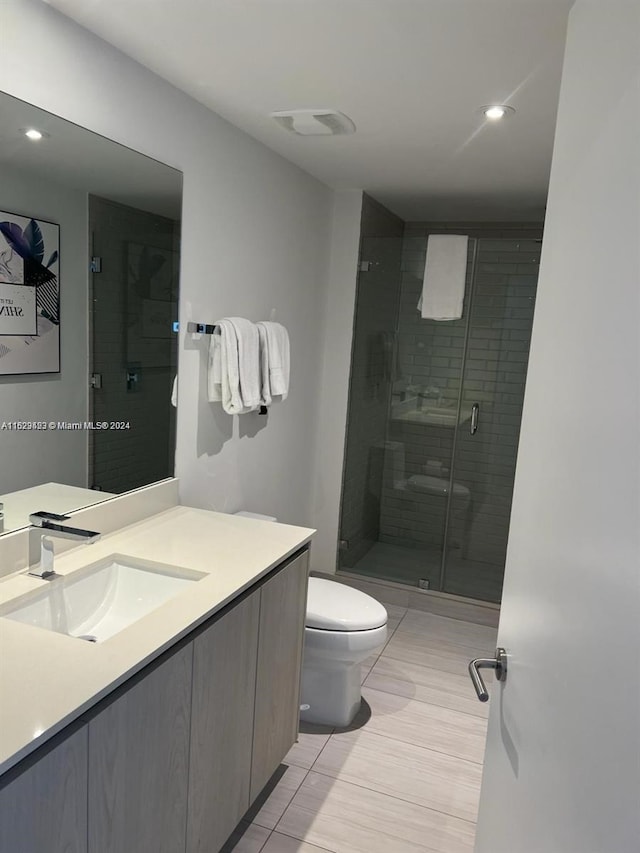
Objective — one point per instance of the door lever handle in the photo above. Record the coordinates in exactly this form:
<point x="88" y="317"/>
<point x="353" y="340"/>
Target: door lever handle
<point x="499" y="663"/>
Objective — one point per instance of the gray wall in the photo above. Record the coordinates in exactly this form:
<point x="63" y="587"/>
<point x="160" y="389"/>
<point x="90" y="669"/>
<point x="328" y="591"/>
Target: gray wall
<point x="30" y="458"/>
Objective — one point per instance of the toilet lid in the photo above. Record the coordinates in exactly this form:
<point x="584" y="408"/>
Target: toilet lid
<point x="333" y="606"/>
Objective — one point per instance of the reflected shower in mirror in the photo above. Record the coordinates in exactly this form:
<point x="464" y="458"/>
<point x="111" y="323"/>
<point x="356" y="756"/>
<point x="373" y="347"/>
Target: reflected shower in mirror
<point x="88" y="327"/>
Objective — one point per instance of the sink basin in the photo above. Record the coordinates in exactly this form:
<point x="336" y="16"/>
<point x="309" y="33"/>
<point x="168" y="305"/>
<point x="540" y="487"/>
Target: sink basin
<point x="98" y="601"/>
<point x="446" y="416"/>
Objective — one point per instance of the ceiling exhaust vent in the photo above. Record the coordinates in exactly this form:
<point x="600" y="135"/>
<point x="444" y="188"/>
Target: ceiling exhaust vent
<point x="314" y="122"/>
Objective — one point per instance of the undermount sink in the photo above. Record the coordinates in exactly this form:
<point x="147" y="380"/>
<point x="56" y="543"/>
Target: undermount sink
<point x="436" y="415"/>
<point x="98" y="601"/>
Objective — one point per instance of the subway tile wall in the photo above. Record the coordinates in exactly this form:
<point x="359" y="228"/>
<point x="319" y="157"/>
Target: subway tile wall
<point x="124" y="334"/>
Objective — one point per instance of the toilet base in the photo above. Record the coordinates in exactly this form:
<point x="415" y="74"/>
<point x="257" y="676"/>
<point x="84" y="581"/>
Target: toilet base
<point x="332" y="694"/>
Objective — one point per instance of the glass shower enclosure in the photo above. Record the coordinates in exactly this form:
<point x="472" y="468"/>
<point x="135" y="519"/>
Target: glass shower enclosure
<point x="434" y="416"/>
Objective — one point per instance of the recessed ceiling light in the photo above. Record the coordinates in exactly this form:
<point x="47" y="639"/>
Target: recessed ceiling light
<point x="494" y="112"/>
<point x="34" y="134"/>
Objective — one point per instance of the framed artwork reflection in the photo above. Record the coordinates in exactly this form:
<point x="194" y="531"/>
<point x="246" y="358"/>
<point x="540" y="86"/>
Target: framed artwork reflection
<point x="29" y="295"/>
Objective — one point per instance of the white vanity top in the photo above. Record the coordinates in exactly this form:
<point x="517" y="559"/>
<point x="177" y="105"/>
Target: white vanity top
<point x="47" y="680"/>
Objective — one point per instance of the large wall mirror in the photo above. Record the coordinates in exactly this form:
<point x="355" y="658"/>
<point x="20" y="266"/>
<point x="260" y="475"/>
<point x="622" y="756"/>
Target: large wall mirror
<point x="89" y="262"/>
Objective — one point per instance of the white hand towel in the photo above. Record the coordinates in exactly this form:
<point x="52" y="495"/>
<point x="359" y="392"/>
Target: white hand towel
<point x="214" y="372"/>
<point x="174" y="392"/>
<point x="248" y="361"/>
<point x="445" y="273"/>
<point x="234" y="373"/>
<point x="265" y="385"/>
<point x="278" y="357"/>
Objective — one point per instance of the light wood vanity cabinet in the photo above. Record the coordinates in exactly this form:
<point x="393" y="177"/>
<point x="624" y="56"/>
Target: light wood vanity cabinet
<point x="224" y="687"/>
<point x="43" y="807"/>
<point x="246" y="686"/>
<point x="277" y="709"/>
<point x="139" y="763"/>
<point x="175" y="757"/>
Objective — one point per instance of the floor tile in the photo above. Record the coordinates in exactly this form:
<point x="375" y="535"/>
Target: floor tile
<point x="367" y="665"/>
<point x="347" y="818"/>
<point x="248" y="838"/>
<point x="429" y="726"/>
<point x="395" y="611"/>
<point x="311" y="740"/>
<point x="432" y="652"/>
<point x="480" y="613"/>
<point x="424" y="684"/>
<point x="452" y="630"/>
<point x="279" y="843"/>
<point x="272" y="809"/>
<point x="416" y="774"/>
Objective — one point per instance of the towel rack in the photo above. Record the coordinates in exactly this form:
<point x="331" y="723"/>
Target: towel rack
<point x="203" y="328"/>
<point x="211" y="329"/>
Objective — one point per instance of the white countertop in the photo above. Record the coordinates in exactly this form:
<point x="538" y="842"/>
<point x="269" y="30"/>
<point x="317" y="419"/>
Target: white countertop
<point x="47" y="680"/>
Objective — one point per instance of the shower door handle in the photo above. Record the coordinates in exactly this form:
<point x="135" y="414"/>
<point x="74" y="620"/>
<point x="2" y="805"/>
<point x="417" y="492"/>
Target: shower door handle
<point x="475" y="414"/>
<point x="499" y="663"/>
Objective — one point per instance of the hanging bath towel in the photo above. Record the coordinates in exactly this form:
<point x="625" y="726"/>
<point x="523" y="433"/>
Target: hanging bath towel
<point x="445" y="273"/>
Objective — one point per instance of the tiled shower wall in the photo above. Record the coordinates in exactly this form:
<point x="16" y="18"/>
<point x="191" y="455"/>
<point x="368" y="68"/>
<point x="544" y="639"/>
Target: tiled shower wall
<point x="430" y="362"/>
<point x="124" y="335"/>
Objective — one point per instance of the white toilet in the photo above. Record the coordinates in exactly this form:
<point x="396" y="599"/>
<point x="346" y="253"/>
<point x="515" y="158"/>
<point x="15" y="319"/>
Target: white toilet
<point x="343" y="627"/>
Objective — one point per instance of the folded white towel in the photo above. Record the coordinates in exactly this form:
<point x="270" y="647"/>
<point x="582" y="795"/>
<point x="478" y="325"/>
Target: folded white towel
<point x="174" y="392"/>
<point x="445" y="273"/>
<point x="214" y="372"/>
<point x="275" y="360"/>
<point x="234" y="372"/>
<point x="265" y="385"/>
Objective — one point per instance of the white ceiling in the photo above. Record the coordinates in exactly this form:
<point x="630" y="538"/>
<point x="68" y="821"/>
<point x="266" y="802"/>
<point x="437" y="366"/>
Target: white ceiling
<point x="410" y="73"/>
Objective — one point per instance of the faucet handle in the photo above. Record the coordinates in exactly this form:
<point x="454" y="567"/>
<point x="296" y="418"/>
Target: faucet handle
<point x="38" y="518"/>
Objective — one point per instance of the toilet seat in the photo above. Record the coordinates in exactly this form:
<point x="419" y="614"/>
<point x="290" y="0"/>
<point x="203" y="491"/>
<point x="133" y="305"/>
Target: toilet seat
<point x="333" y="606"/>
<point x="343" y="645"/>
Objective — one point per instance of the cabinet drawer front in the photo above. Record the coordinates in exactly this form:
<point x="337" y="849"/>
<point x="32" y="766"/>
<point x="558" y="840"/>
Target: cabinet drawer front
<point x="282" y="616"/>
<point x="224" y="682"/>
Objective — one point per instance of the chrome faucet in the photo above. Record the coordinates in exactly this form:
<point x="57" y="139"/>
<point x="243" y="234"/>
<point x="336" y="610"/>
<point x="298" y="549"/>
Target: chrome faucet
<point x="49" y="522"/>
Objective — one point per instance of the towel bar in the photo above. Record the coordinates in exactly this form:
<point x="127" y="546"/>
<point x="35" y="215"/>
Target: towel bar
<point x="202" y="328"/>
<point x="211" y="329"/>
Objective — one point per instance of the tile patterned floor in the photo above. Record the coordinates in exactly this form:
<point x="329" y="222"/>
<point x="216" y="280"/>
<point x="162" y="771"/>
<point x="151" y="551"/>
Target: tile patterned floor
<point x="405" y="777"/>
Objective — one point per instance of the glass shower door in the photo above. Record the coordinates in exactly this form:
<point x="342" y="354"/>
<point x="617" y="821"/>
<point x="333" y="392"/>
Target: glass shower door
<point x="372" y="367"/>
<point x="403" y="410"/>
<point x="486" y="443"/>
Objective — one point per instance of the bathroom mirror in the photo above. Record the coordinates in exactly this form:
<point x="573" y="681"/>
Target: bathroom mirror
<point x="89" y="264"/>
